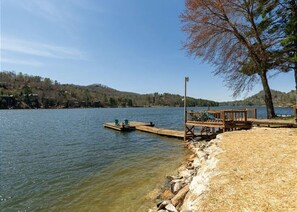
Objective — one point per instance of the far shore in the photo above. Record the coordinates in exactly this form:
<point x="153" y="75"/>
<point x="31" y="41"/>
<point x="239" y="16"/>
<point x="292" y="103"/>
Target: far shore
<point x="148" y="106"/>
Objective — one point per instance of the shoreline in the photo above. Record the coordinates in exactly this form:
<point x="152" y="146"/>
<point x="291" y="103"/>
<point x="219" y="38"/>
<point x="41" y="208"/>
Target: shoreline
<point x="208" y="181"/>
<point x="181" y="191"/>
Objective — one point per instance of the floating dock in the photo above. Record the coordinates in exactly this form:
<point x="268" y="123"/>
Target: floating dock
<point x="145" y="127"/>
<point x="127" y="127"/>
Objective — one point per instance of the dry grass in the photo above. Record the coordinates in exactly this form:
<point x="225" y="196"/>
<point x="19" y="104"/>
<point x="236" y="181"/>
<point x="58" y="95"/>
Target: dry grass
<point x="258" y="172"/>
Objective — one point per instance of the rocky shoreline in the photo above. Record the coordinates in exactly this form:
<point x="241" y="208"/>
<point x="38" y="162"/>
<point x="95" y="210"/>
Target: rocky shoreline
<point x="184" y="191"/>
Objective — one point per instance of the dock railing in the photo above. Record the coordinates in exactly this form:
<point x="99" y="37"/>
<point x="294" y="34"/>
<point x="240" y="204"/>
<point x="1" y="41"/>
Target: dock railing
<point x="224" y="120"/>
<point x="235" y="115"/>
<point x="204" y="116"/>
<point x="252" y="113"/>
<point x="222" y="115"/>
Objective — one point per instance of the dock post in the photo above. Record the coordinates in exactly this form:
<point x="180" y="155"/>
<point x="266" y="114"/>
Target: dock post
<point x="224" y="123"/>
<point x="185" y="109"/>
<point x="295" y="112"/>
<point x="255" y="112"/>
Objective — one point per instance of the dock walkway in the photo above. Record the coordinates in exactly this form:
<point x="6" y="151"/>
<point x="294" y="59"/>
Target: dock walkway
<point x="272" y="122"/>
<point x="161" y="131"/>
<point x="145" y="127"/>
<point x="131" y="126"/>
<point x="150" y="128"/>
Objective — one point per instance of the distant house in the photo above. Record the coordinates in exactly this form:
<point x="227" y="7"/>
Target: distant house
<point x="31" y="95"/>
<point x="7" y="101"/>
<point x="4" y="85"/>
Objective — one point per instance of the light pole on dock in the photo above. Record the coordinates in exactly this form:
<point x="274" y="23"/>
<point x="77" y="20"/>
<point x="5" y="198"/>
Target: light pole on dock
<point x="185" y="108"/>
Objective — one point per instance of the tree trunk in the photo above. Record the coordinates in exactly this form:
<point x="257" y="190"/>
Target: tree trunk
<point x="295" y="72"/>
<point x="267" y="95"/>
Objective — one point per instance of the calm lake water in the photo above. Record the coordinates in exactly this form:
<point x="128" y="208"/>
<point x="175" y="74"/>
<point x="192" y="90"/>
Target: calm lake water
<point x="64" y="160"/>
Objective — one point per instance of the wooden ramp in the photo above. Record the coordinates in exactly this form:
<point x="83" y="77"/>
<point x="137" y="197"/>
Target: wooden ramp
<point x="160" y="131"/>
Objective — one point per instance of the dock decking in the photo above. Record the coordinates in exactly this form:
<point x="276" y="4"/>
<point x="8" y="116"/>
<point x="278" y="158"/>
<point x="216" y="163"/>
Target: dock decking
<point x="145" y="127"/>
<point x="150" y="128"/>
<point x="272" y="123"/>
<point x="122" y="127"/>
<point x="160" y="131"/>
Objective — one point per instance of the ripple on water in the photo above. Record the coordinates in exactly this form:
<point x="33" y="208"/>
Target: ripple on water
<point x="66" y="160"/>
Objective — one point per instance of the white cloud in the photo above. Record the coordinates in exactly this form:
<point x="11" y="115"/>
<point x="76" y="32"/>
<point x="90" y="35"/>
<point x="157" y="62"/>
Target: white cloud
<point x="60" y="14"/>
<point x="40" y="49"/>
<point x="52" y="10"/>
<point x="21" y="62"/>
<point x="63" y="13"/>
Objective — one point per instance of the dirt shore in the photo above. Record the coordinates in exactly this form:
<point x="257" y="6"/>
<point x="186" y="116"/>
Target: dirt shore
<point x="248" y="170"/>
<point x="256" y="171"/>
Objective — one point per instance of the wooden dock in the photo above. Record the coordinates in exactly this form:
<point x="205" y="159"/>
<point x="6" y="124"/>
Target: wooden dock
<point x="226" y="120"/>
<point x="150" y="128"/>
<point x="272" y="123"/>
<point x="145" y="127"/>
<point x="161" y="131"/>
<point x="209" y="123"/>
<point x="229" y="120"/>
<point x="124" y="127"/>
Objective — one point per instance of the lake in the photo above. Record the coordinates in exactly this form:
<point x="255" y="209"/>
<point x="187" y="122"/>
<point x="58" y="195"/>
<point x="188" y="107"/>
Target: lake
<point x="64" y="160"/>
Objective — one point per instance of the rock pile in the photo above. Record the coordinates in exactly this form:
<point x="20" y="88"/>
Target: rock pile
<point x="181" y="192"/>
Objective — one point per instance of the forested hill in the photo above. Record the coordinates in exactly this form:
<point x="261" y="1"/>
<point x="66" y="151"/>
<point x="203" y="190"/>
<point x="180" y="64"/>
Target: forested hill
<point x="24" y="91"/>
<point x="280" y="99"/>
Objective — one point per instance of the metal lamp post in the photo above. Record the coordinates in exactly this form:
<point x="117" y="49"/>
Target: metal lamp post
<point x="185" y="107"/>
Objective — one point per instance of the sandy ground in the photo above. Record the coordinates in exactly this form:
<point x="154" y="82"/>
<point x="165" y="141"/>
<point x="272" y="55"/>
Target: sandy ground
<point x="257" y="172"/>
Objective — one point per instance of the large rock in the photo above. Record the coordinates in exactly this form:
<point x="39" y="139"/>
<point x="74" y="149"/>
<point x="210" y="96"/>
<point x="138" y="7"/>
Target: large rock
<point x="191" y="158"/>
<point x="185" y="173"/>
<point x="176" y="178"/>
<point x="170" y="208"/>
<point x="179" y="197"/>
<point x="163" y="204"/>
<point x="167" y="194"/>
<point x="196" y="163"/>
<point x="176" y="186"/>
<point x="201" y="154"/>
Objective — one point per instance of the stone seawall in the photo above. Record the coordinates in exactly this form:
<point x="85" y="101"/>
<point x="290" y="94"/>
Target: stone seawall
<point x="183" y="192"/>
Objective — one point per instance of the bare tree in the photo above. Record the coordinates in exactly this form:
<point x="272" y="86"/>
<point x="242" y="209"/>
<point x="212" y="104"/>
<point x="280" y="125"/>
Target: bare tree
<point x="232" y="35"/>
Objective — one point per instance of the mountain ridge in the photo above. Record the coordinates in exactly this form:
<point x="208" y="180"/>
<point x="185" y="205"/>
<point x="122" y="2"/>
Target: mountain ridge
<point x="280" y="99"/>
<point x="25" y="91"/>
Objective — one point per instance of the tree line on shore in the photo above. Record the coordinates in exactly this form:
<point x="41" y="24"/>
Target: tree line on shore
<point x="246" y="40"/>
<point x="280" y="99"/>
<point x="23" y="91"/>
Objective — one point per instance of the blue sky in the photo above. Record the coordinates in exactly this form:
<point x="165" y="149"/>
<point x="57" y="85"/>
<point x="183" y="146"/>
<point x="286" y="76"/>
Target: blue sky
<point x="129" y="45"/>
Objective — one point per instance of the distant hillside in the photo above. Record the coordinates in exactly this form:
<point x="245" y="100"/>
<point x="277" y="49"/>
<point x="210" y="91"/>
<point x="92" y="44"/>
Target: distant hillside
<point x="24" y="91"/>
<point x="280" y="99"/>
